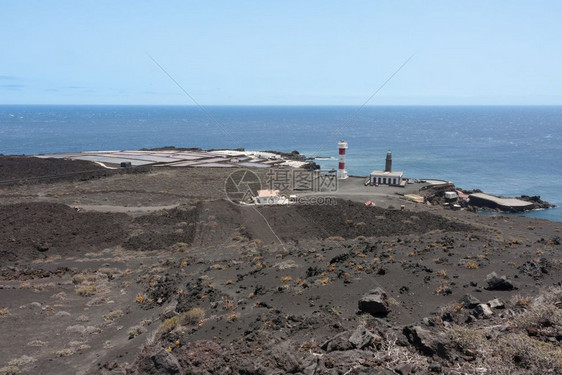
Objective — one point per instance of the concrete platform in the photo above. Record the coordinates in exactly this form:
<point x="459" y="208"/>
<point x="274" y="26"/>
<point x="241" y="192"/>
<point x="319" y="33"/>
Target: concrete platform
<point x="504" y="204"/>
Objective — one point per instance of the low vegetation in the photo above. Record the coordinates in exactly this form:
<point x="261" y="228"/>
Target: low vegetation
<point x="190" y="317"/>
<point x="86" y="291"/>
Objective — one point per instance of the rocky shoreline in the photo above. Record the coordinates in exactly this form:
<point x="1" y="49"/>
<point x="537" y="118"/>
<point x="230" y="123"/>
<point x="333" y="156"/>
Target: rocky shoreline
<point x="538" y="203"/>
<point x="436" y="195"/>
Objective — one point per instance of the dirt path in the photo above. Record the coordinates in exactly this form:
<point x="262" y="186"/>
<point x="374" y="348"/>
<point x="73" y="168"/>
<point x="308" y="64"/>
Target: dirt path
<point x="124" y="209"/>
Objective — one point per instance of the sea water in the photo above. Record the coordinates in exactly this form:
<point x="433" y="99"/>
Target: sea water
<point x="501" y="150"/>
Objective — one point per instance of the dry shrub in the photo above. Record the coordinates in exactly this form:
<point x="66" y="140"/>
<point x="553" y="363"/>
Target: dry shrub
<point x="86" y="291"/>
<point x="65" y="352"/>
<point x="82" y="318"/>
<point x="443" y="288"/>
<point x="36" y="343"/>
<point x="108" y="271"/>
<point x="390" y="355"/>
<point x="552" y="295"/>
<point x="181" y="246"/>
<point x="136" y="331"/>
<point x="452" y="308"/>
<point x="232" y="317"/>
<point x="9" y="370"/>
<point x="79" y="278"/>
<point x="521" y="302"/>
<point x="112" y="315"/>
<point x="469" y="338"/>
<point x="540" y="315"/>
<point x="286" y="279"/>
<point x="505" y="352"/>
<point x="191" y="317"/>
<point x="169" y="324"/>
<point x="538" y="356"/>
<point x="336" y="238"/>
<point x="308" y="345"/>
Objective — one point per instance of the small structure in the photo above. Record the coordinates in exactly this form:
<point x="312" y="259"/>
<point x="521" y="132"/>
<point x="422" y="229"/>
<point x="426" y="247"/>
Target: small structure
<point x="451" y="195"/>
<point x="387" y="177"/>
<point x="463" y="196"/>
<point x="270" y="197"/>
<point x="342" y="172"/>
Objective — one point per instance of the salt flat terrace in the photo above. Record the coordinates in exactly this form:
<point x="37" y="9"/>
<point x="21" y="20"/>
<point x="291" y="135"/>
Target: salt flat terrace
<point x="179" y="158"/>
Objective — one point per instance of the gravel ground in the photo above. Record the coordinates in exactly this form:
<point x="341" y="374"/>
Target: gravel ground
<point x="205" y="286"/>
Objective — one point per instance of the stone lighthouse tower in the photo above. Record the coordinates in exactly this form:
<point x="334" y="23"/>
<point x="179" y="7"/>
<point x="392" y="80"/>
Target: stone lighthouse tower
<point x="388" y="165"/>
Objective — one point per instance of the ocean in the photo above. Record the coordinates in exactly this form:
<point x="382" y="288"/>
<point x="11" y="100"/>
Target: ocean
<point x="501" y="150"/>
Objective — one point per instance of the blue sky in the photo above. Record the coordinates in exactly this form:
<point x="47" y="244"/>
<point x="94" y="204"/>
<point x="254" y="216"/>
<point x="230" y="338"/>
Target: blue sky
<point x="281" y="52"/>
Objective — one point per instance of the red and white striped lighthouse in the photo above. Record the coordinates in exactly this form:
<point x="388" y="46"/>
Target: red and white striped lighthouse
<point x="342" y="173"/>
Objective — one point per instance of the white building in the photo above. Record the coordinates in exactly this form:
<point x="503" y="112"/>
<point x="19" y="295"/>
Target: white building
<point x="270" y="197"/>
<point x="386" y="178"/>
<point x="451" y="195"/>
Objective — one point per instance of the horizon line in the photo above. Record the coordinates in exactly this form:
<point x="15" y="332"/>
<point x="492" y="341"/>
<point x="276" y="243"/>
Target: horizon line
<point x="280" y="105"/>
